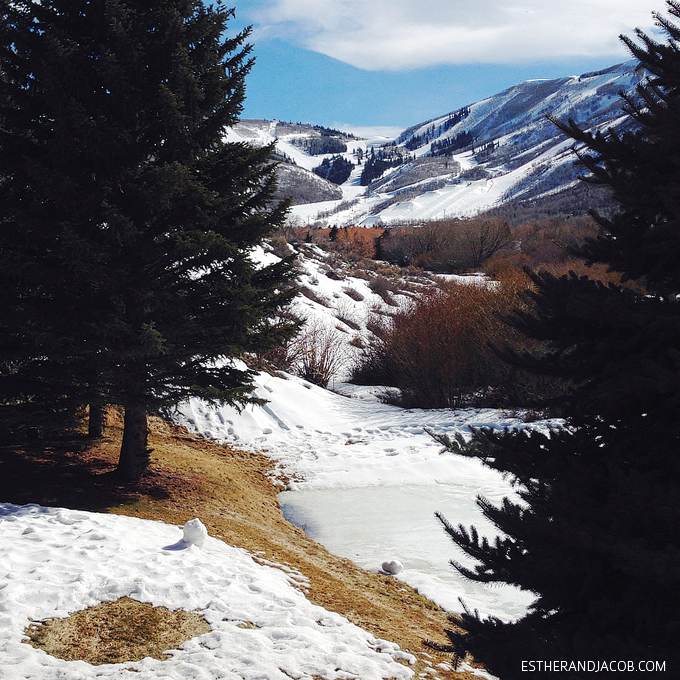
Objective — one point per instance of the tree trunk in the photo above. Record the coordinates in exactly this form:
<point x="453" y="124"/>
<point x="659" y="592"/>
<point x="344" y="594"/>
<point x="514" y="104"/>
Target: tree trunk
<point x="134" y="454"/>
<point x="96" y="420"/>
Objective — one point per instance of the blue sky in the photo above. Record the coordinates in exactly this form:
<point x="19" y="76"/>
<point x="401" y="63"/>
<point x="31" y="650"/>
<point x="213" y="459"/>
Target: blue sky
<point x="393" y="63"/>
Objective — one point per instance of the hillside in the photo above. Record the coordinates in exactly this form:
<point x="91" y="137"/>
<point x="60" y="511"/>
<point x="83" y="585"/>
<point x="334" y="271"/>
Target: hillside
<point x="345" y="448"/>
<point x="299" y="149"/>
<point x="501" y="151"/>
<point x="229" y="490"/>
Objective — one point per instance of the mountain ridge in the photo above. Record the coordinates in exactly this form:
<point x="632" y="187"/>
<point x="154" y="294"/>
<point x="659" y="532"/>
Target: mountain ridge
<point x="499" y="151"/>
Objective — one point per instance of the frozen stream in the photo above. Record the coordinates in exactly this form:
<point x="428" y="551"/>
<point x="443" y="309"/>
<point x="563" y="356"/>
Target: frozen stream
<point x="365" y="478"/>
<point x="370" y="525"/>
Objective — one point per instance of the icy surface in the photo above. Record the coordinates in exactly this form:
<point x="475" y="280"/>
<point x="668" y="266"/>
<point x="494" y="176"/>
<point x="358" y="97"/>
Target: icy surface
<point x="54" y="562"/>
<point x="397" y="524"/>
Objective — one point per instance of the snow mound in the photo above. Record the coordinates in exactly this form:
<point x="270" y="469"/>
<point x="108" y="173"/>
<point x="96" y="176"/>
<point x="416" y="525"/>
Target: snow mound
<point x="392" y="567"/>
<point x="195" y="532"/>
<point x="55" y="562"/>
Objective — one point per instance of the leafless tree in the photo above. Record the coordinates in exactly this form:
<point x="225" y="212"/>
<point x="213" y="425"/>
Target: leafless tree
<point x="484" y="237"/>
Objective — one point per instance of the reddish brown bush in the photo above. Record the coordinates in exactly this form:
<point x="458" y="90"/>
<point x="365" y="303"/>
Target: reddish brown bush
<point x="440" y="352"/>
<point x="447" y="245"/>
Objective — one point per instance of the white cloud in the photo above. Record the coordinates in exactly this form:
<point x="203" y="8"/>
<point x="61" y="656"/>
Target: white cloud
<point x="406" y="34"/>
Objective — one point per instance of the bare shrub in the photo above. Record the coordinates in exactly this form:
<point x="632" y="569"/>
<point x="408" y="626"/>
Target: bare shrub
<point x="484" y="237"/>
<point x="311" y="295"/>
<point x="543" y="243"/>
<point x="358" y="273"/>
<point x="596" y="271"/>
<point x="439" y="353"/>
<point x="347" y="320"/>
<point x="353" y="293"/>
<point x="317" y="353"/>
<point x="383" y="287"/>
<point x="376" y="363"/>
<point x="447" y="246"/>
<point x="276" y="358"/>
<point x="500" y="265"/>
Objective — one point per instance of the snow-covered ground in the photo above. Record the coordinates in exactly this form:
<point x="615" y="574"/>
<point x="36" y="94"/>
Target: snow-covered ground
<point x="365" y="478"/>
<point x="357" y="203"/>
<point x="54" y="562"/>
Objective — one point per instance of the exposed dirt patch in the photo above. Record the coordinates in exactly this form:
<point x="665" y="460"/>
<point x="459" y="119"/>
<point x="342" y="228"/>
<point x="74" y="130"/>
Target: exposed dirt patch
<point x="230" y="492"/>
<point x="116" y="632"/>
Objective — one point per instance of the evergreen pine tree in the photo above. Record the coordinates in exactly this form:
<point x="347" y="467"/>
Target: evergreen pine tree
<point x="596" y="535"/>
<point x="128" y="220"/>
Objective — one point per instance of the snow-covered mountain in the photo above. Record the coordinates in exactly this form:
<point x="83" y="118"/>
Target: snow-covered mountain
<point x="299" y="149"/>
<point x="464" y="162"/>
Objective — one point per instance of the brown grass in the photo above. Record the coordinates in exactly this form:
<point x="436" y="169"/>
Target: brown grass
<point x="231" y="492"/>
<point x="116" y="632"/>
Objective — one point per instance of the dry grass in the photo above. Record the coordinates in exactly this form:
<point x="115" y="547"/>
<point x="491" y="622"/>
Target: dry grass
<point x="353" y="293"/>
<point x="116" y="632"/>
<point x="231" y="492"/>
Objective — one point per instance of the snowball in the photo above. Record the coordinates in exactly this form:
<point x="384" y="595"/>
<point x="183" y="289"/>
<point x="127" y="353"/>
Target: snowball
<point x="195" y="532"/>
<point x="393" y="567"/>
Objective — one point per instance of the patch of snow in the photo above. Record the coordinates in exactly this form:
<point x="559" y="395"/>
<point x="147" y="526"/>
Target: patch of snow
<point x="365" y="478"/>
<point x="325" y="440"/>
<point x="55" y="562"/>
